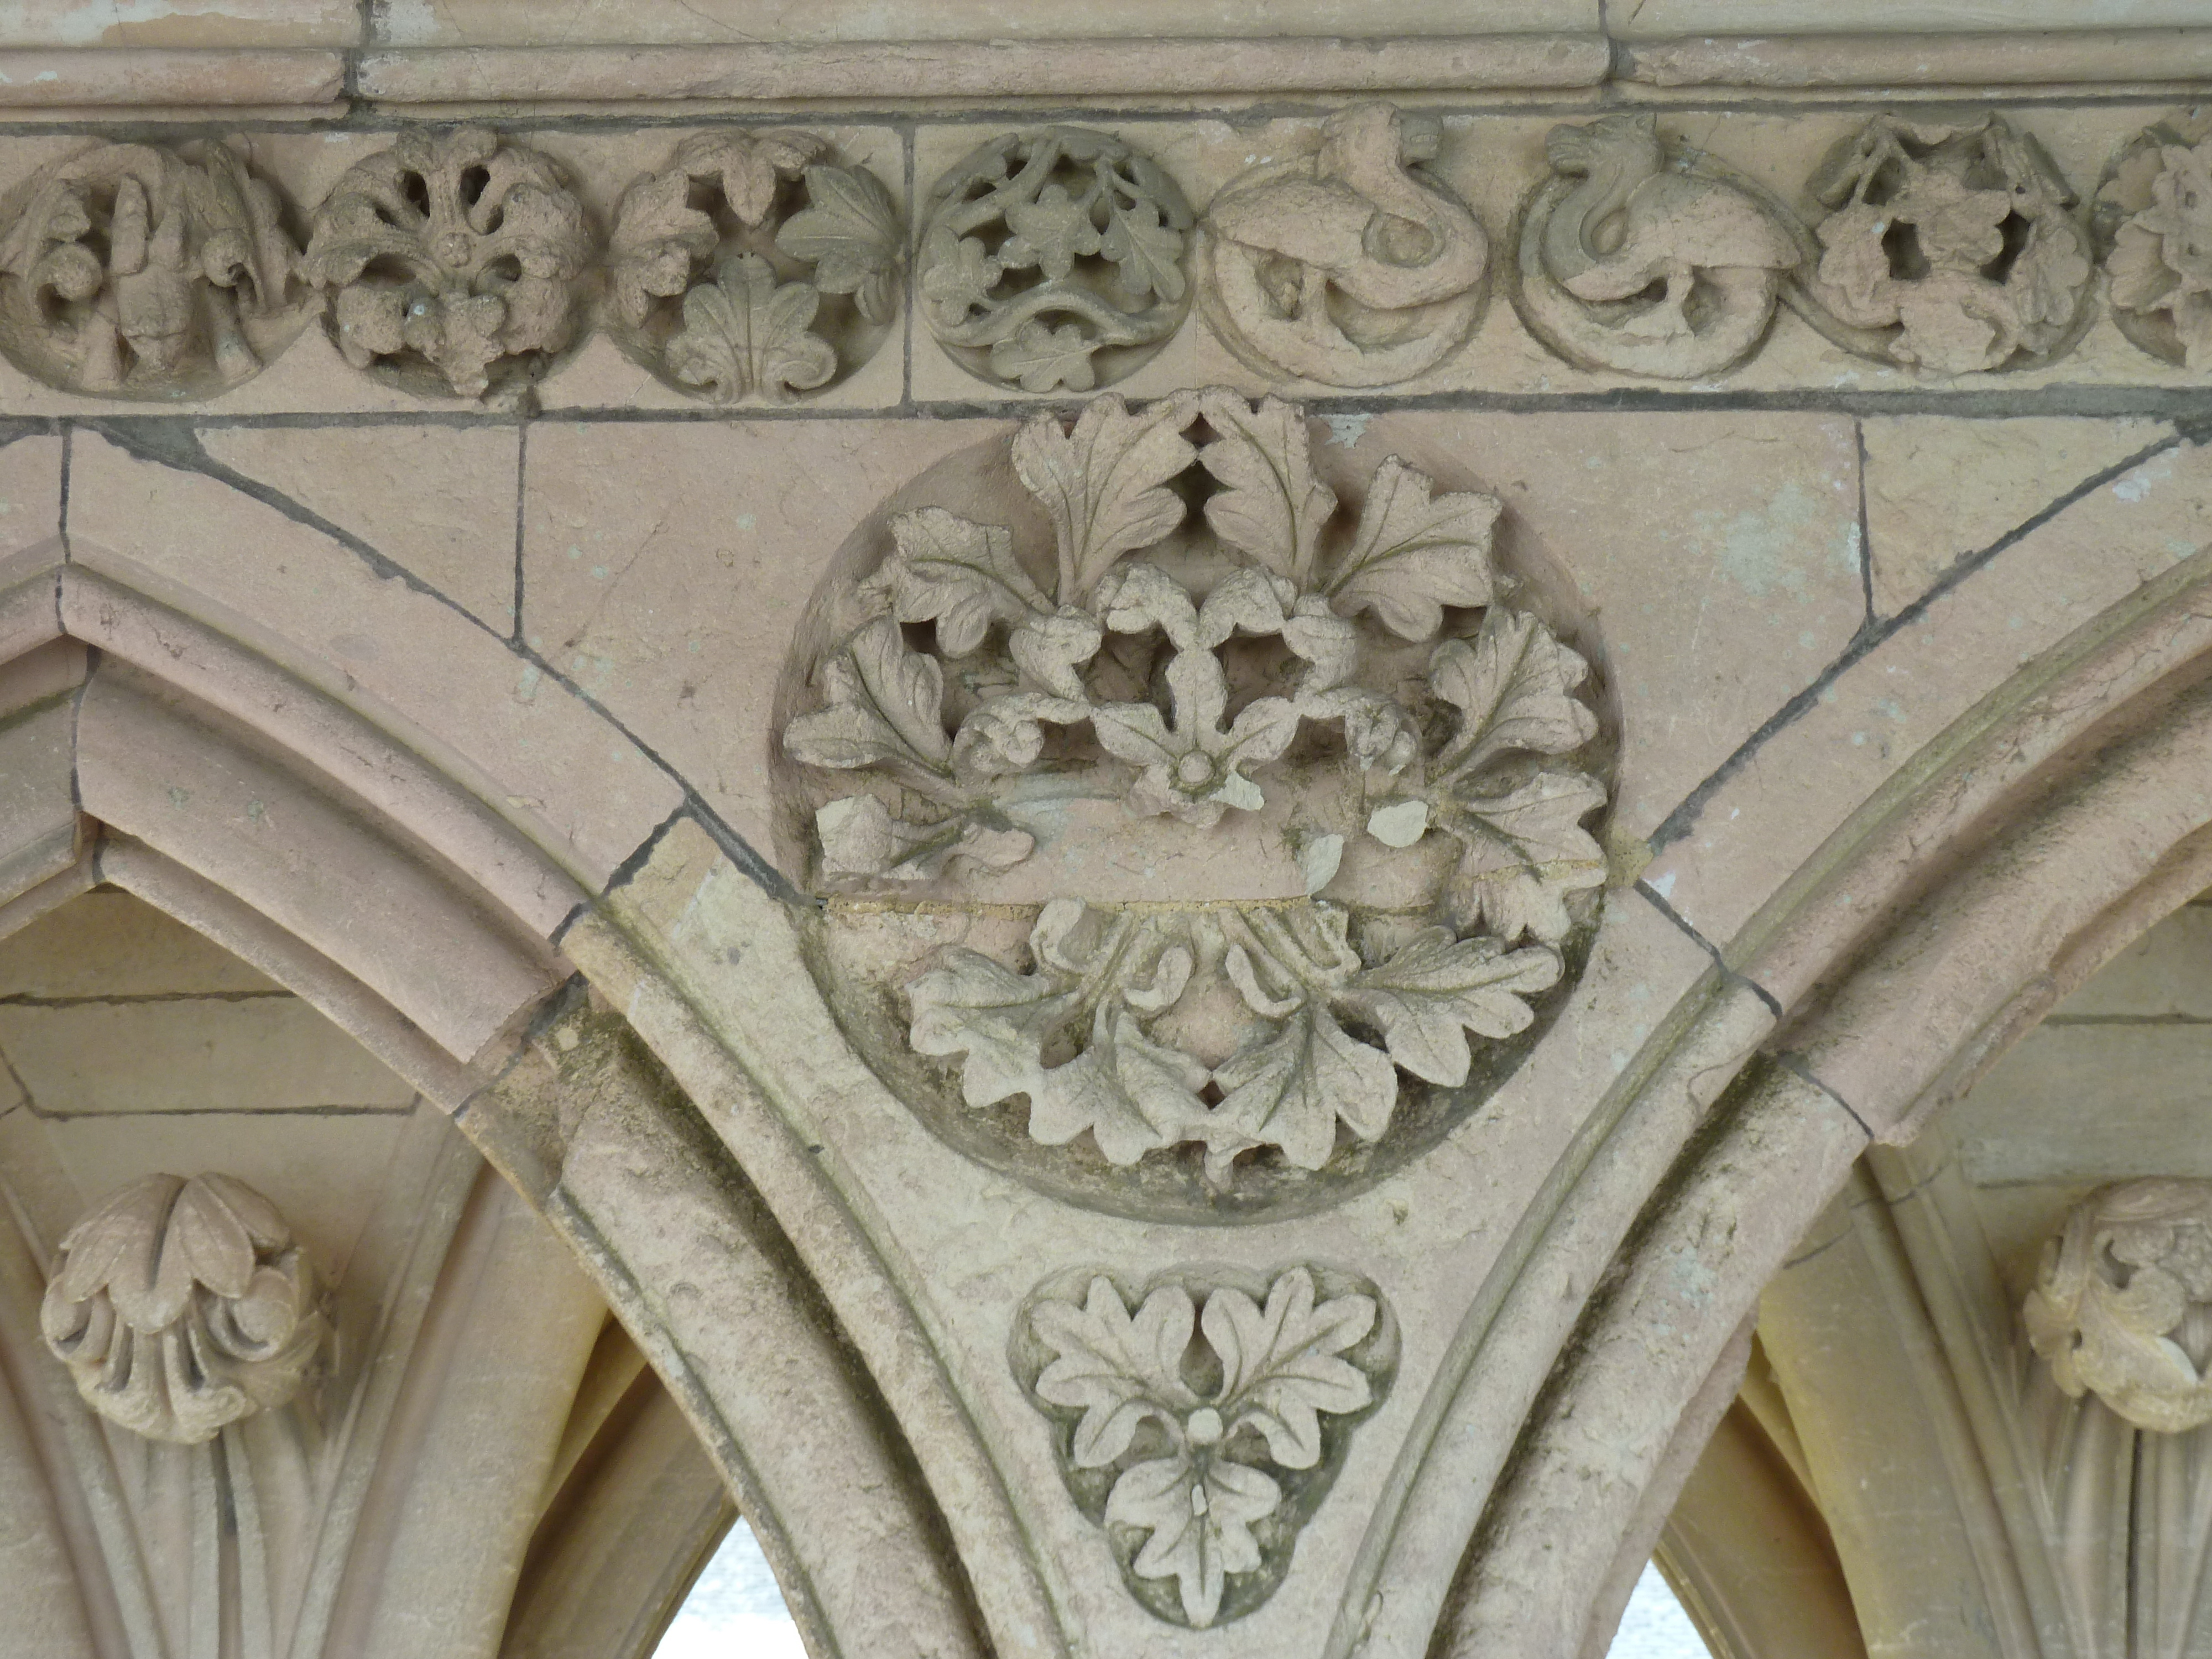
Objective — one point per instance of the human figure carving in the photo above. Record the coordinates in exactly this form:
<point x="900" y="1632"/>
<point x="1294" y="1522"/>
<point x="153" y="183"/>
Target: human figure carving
<point x="1629" y="222"/>
<point x="1346" y="267"/>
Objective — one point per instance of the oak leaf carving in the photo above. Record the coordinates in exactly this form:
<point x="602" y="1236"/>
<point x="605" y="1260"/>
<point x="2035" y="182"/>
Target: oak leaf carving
<point x="849" y="233"/>
<point x="1103" y="483"/>
<point x="1272" y="507"/>
<point x="883" y="702"/>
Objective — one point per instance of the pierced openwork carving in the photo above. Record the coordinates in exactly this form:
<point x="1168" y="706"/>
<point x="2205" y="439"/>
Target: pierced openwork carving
<point x="1646" y="262"/>
<point x="1951" y="249"/>
<point x="1203" y="1427"/>
<point x="1053" y="257"/>
<point x="150" y="271"/>
<point x="2121" y="1307"/>
<point x="1368" y="771"/>
<point x="180" y="1306"/>
<point x="1351" y="267"/>
<point x="456" y="262"/>
<point x="2153" y="217"/>
<point x="755" y="265"/>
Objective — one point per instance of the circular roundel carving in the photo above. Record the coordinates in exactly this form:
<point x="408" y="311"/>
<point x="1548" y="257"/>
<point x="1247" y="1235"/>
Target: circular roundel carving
<point x="150" y="271"/>
<point x="1204" y="816"/>
<point x="1053" y="259"/>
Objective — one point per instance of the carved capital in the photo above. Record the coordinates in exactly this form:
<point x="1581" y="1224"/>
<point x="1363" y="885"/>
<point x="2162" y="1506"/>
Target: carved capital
<point x="2121" y="1307"/>
<point x="180" y="1306"/>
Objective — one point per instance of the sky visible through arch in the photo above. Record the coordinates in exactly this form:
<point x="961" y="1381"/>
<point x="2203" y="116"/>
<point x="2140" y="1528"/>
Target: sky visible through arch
<point x="736" y="1612"/>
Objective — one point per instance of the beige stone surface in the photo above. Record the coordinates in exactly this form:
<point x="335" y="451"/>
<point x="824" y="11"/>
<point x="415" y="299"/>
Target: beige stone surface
<point x="111" y="945"/>
<point x="488" y="22"/>
<point x="1651" y="19"/>
<point x="408" y="662"/>
<point x="30" y="493"/>
<point x="2048" y="1113"/>
<point x="249" y="1052"/>
<point x="1768" y="816"/>
<point x="1717" y="555"/>
<point x="180" y="23"/>
<point x="665" y="569"/>
<point x="438" y="500"/>
<point x="192" y="786"/>
<point x="65" y="77"/>
<point x="1939" y="489"/>
<point x="2161" y="976"/>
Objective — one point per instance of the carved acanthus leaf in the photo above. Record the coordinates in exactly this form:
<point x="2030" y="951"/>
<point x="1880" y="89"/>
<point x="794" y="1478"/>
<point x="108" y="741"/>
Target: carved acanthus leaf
<point x="1184" y="1474"/>
<point x="718" y="282"/>
<point x="850" y="233"/>
<point x="885" y="702"/>
<point x="1104" y="483"/>
<point x="1272" y="508"/>
<point x="1514" y="687"/>
<point x="743" y="333"/>
<point x="2120" y="1290"/>
<point x="182" y="1306"/>
<point x="1415" y="553"/>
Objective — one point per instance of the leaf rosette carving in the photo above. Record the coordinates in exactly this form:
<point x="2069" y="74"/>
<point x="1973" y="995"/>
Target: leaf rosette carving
<point x="755" y="265"/>
<point x="1053" y="259"/>
<point x="1202" y="1423"/>
<point x="1352" y="266"/>
<point x="1644" y="258"/>
<point x="150" y="271"/>
<point x="181" y="1306"/>
<point x="2152" y="218"/>
<point x="1952" y="250"/>
<point x="1188" y="642"/>
<point x="2122" y="1306"/>
<point x="456" y="262"/>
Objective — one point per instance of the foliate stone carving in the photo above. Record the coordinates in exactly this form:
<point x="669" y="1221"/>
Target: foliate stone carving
<point x="1203" y="1425"/>
<point x="1951" y="249"/>
<point x="755" y="265"/>
<point x="1053" y="257"/>
<point x="2122" y="1306"/>
<point x="1352" y="266"/>
<point x="180" y="1306"/>
<point x="1354" y="690"/>
<point x="2153" y="216"/>
<point x="456" y="262"/>
<point x="147" y="271"/>
<point x="1638" y="260"/>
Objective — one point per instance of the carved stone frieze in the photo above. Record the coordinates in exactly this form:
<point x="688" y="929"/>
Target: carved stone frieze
<point x="1203" y="1424"/>
<point x="456" y="262"/>
<point x="1053" y="257"/>
<point x="150" y="271"/>
<point x="2122" y="1306"/>
<point x="755" y="265"/>
<point x="1266" y="681"/>
<point x="2153" y="218"/>
<point x="1637" y="259"/>
<point x="1351" y="267"/>
<point x="180" y="1306"/>
<point x="1953" y="249"/>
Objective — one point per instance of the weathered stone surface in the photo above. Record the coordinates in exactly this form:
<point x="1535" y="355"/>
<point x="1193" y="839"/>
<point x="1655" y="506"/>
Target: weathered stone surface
<point x="438" y="501"/>
<point x="1770" y="813"/>
<point x="664" y="577"/>
<point x="1939" y="490"/>
<point x="408" y="657"/>
<point x="111" y="945"/>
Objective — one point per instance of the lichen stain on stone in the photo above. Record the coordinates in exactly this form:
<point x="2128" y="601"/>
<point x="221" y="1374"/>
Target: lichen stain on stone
<point x="1776" y="549"/>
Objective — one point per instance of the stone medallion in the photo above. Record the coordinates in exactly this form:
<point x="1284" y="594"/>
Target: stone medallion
<point x="1201" y="826"/>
